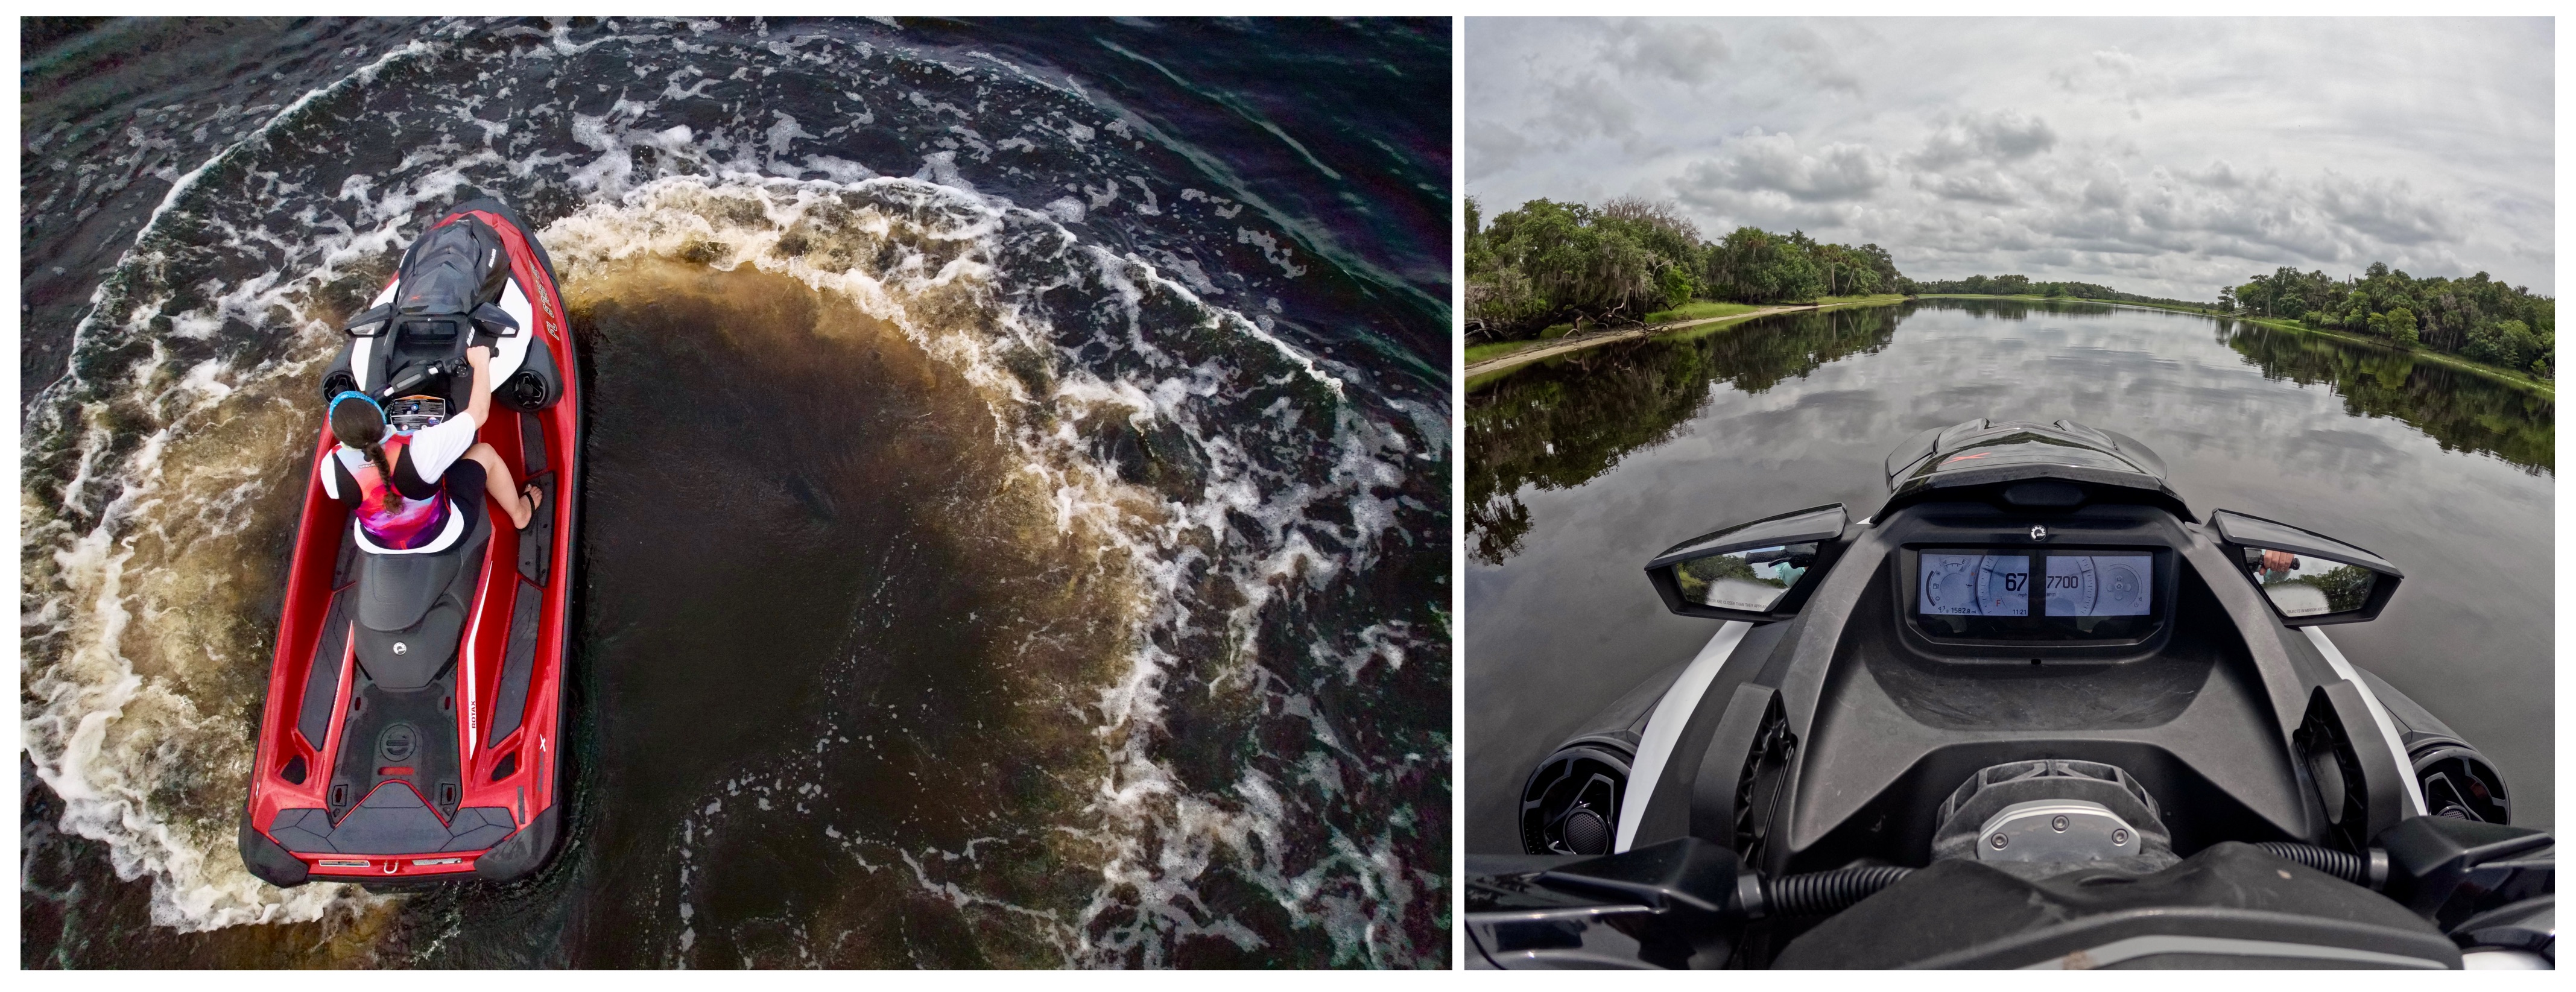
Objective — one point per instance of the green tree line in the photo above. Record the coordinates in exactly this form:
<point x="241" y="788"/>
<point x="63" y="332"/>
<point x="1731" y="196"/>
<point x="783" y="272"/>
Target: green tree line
<point x="1549" y="263"/>
<point x="2025" y="286"/>
<point x="2478" y="318"/>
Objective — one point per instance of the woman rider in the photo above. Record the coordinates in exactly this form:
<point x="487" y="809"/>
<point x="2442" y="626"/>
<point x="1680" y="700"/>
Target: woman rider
<point x="401" y="485"/>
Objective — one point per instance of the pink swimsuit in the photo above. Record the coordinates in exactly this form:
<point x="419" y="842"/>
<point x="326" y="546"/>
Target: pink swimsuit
<point x="410" y="523"/>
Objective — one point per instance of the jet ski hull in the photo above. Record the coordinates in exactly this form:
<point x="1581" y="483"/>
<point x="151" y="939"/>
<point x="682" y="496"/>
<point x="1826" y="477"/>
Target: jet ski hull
<point x="428" y="747"/>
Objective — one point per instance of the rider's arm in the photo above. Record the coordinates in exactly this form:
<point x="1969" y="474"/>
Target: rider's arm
<point x="478" y="404"/>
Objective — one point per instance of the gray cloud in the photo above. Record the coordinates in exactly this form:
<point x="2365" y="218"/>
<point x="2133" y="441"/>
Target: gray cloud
<point x="2003" y="136"/>
<point x="1587" y="105"/>
<point x="1687" y="53"/>
<point x="2385" y="208"/>
<point x="1757" y="161"/>
<point x="1814" y="56"/>
<point x="1986" y="187"/>
<point x="2163" y="156"/>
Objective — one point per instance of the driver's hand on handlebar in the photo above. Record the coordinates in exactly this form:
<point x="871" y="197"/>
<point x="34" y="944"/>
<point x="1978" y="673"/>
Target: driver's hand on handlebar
<point x="2279" y="561"/>
<point x="478" y="355"/>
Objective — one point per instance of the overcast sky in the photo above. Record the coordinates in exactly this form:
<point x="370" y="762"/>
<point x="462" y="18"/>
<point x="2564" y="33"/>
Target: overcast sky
<point x="2163" y="157"/>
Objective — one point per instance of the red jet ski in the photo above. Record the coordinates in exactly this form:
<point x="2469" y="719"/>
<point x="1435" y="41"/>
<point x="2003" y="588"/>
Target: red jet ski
<point x="413" y="730"/>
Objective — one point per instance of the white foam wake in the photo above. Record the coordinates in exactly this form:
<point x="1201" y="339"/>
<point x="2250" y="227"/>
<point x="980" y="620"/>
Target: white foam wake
<point x="966" y="284"/>
<point x="161" y="494"/>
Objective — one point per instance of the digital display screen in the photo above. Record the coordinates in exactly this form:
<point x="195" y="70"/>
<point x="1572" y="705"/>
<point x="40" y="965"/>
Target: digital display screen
<point x="1974" y="584"/>
<point x="2038" y="595"/>
<point x="2098" y="585"/>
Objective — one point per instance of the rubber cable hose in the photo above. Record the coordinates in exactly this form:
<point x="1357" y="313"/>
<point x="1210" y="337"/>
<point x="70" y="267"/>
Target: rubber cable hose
<point x="2340" y="864"/>
<point x="1824" y="893"/>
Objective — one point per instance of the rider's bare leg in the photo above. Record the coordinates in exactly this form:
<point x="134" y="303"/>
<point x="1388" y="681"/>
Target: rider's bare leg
<point x="498" y="481"/>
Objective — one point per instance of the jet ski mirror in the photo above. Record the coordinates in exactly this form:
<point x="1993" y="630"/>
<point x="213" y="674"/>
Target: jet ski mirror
<point x="495" y="321"/>
<point x="369" y="322"/>
<point x="2310" y="579"/>
<point x="1758" y="572"/>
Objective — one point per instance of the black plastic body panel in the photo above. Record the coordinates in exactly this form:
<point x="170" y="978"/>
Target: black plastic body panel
<point x="1667" y="812"/>
<point x="1964" y="914"/>
<point x="1888" y="721"/>
<point x="405" y="736"/>
<point x="523" y="852"/>
<point x="1715" y="803"/>
<point x="2452" y="870"/>
<point x="269" y="859"/>
<point x="1893" y="720"/>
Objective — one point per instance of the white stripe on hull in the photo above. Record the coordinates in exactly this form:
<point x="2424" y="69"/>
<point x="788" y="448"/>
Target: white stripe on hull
<point x="1664" y="729"/>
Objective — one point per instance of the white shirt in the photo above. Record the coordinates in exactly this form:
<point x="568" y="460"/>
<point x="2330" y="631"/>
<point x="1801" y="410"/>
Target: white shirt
<point x="435" y="448"/>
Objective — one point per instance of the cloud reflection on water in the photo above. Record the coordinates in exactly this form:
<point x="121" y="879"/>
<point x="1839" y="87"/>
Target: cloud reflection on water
<point x="1579" y="472"/>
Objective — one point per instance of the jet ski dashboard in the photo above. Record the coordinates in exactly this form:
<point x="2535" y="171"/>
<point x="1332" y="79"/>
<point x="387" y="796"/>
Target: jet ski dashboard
<point x="2034" y="637"/>
<point x="1969" y="582"/>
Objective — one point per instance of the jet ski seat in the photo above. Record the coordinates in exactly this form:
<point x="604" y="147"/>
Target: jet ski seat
<point x="412" y="608"/>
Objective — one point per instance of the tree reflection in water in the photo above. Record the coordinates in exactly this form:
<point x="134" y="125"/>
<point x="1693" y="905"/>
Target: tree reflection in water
<point x="2460" y="410"/>
<point x="1564" y="421"/>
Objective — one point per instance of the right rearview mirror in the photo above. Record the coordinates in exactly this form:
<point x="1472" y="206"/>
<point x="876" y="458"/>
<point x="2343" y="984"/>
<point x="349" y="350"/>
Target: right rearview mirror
<point x="2310" y="579"/>
<point x="1757" y="572"/>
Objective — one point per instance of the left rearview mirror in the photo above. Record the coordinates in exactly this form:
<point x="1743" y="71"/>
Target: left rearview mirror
<point x="1759" y="572"/>
<point x="2310" y="579"/>
<point x="369" y="322"/>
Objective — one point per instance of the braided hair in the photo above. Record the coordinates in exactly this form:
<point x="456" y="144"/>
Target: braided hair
<point x="361" y="425"/>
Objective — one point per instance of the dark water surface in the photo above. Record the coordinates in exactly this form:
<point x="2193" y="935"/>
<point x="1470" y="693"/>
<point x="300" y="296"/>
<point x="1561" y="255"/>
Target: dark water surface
<point x="1016" y="528"/>
<point x="1582" y="468"/>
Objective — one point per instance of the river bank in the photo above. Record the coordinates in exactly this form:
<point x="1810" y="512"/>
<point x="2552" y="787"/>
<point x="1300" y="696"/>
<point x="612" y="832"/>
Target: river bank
<point x="2511" y="377"/>
<point x="1489" y="366"/>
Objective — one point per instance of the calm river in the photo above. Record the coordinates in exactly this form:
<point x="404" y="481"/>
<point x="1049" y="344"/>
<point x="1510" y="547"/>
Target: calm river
<point x="1581" y="468"/>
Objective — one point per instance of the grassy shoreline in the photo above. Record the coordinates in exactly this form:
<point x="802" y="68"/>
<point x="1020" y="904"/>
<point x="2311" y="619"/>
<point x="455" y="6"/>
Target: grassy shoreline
<point x="1696" y="318"/>
<point x="2507" y="376"/>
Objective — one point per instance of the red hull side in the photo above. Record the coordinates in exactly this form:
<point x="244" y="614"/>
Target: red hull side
<point x="530" y="792"/>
